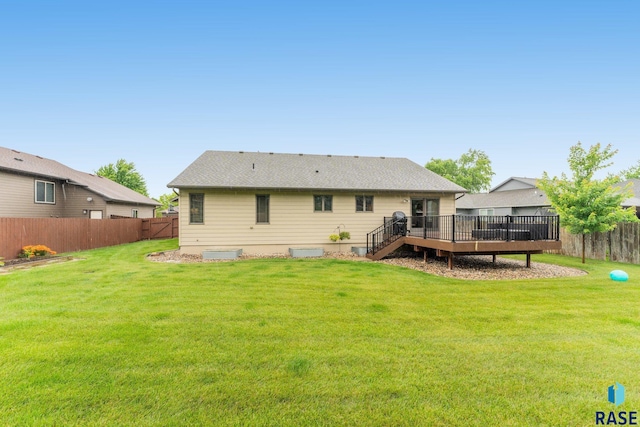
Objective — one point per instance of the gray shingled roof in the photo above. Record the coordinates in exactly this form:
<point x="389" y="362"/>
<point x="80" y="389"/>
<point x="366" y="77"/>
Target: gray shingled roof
<point x="227" y="169"/>
<point x="504" y="199"/>
<point x="28" y="164"/>
<point x="635" y="187"/>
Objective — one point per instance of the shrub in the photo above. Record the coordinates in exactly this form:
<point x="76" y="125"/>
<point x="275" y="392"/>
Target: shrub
<point x="345" y="235"/>
<point x="30" y="251"/>
<point x="342" y="236"/>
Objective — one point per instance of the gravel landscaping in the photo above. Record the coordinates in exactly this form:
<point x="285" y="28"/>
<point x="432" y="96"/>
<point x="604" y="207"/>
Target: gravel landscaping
<point x="470" y="267"/>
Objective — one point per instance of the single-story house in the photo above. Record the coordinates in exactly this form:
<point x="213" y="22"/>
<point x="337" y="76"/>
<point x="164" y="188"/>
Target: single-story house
<point x="515" y="196"/>
<point x="35" y="187"/>
<point x="268" y="203"/>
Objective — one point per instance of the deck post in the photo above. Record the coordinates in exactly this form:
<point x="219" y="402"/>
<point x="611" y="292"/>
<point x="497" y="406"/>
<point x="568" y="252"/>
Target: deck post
<point x="494" y="258"/>
<point x="424" y="254"/>
<point x="453" y="228"/>
<point x="528" y="260"/>
<point x="450" y="262"/>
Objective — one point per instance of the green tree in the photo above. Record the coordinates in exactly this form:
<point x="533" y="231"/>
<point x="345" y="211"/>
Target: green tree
<point x="471" y="171"/>
<point x="124" y="173"/>
<point x="165" y="201"/>
<point x="632" y="173"/>
<point x="587" y="205"/>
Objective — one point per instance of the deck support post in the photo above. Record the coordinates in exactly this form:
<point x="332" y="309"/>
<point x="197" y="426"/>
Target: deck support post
<point x="425" y="255"/>
<point x="494" y="258"/>
<point x="528" y="260"/>
<point x="450" y="260"/>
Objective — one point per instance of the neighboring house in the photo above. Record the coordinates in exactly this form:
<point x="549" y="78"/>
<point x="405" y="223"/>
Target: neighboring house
<point x="635" y="199"/>
<point x="515" y="196"/>
<point x="35" y="187"/>
<point x="173" y="210"/>
<point x="268" y="203"/>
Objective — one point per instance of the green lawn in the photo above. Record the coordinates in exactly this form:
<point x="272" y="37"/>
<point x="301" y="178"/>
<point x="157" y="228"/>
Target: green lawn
<point x="114" y="339"/>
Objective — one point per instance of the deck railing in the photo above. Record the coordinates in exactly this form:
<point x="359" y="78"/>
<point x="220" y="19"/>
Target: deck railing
<point x="464" y="228"/>
<point x="387" y="233"/>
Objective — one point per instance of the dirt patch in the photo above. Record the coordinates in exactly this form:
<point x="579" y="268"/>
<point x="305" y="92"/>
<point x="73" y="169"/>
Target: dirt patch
<point x="472" y="267"/>
<point x="22" y="263"/>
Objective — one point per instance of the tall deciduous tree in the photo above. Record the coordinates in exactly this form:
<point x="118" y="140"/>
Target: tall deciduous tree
<point x="471" y="171"/>
<point x="587" y="205"/>
<point x="124" y="173"/>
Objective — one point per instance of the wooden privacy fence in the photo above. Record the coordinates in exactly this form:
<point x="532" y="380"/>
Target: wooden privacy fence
<point x="619" y="245"/>
<point x="76" y="234"/>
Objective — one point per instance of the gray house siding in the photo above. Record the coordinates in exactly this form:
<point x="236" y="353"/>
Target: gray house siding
<point x="513" y="185"/>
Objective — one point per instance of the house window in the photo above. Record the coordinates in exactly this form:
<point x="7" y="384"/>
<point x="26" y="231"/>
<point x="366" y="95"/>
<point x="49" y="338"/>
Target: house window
<point x="134" y="213"/>
<point x="485" y="212"/>
<point x="364" y="203"/>
<point x="45" y="192"/>
<point x="262" y="208"/>
<point x="196" y="208"/>
<point x="322" y="203"/>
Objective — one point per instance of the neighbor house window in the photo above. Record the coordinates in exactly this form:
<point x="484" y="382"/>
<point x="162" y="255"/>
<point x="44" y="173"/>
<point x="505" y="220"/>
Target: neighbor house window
<point x="45" y="192"/>
<point x="485" y="212"/>
<point x="322" y="203"/>
<point x="196" y="208"/>
<point x="134" y="213"/>
<point x="364" y="203"/>
<point x="262" y="208"/>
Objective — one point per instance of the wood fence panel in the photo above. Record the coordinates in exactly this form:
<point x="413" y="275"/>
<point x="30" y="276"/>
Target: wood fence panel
<point x="66" y="234"/>
<point x="160" y="228"/>
<point x="625" y="242"/>
<point x="620" y="245"/>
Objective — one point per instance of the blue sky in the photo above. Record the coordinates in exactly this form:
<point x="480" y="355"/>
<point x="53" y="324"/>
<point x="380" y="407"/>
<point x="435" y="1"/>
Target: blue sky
<point x="159" y="82"/>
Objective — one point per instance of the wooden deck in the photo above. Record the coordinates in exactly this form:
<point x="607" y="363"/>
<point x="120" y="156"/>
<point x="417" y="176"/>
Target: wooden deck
<point x="445" y="248"/>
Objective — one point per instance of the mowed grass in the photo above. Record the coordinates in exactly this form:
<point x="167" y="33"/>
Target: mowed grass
<point x="114" y="339"/>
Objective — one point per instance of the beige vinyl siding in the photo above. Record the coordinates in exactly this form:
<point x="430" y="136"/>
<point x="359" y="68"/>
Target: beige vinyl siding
<point x="121" y="209"/>
<point x="17" y="198"/>
<point x="230" y="220"/>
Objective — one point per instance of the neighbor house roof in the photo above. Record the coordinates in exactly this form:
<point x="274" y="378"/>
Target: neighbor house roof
<point x="504" y="199"/>
<point x="635" y="188"/>
<point x="530" y="182"/>
<point x="28" y="164"/>
<point x="233" y="169"/>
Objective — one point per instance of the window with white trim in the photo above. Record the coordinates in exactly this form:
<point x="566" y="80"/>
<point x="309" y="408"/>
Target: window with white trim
<point x="134" y="213"/>
<point x="45" y="192"/>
